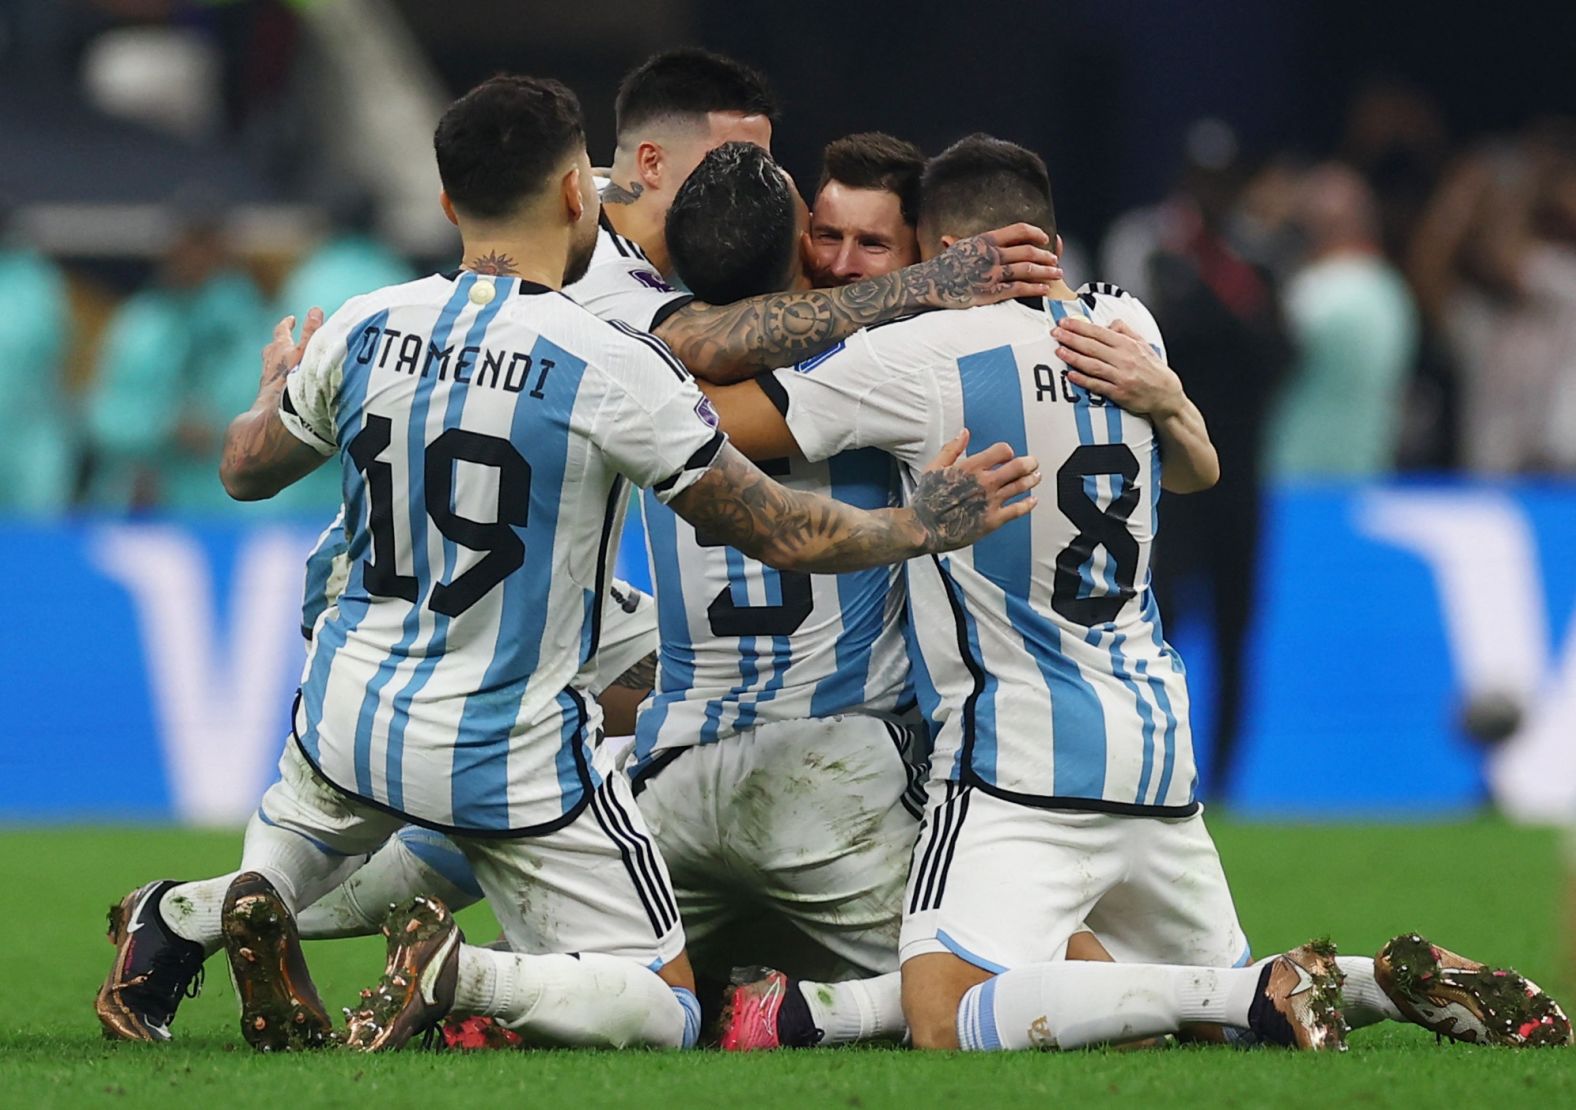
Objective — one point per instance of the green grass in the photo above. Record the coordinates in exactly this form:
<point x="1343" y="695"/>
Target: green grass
<point x="1481" y="887"/>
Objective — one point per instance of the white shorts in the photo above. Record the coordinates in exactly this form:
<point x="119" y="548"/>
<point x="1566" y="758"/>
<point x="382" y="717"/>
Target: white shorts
<point x="1002" y="885"/>
<point x="789" y="846"/>
<point x="596" y="885"/>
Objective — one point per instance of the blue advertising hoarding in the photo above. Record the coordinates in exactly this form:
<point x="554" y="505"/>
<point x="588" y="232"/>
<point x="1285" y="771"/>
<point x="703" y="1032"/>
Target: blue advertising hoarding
<point x="149" y="667"/>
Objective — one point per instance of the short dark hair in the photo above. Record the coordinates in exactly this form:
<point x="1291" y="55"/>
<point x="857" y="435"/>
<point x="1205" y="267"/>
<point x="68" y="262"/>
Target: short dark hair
<point x="982" y="182"/>
<point x="732" y="228"/>
<point x="876" y="160"/>
<point x="497" y="144"/>
<point x="690" y="82"/>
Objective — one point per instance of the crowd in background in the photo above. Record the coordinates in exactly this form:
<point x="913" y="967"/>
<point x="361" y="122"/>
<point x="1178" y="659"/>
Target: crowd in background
<point x="1405" y="303"/>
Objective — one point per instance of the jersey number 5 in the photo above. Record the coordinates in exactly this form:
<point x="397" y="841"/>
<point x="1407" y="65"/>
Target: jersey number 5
<point x="1097" y="528"/>
<point x="728" y="618"/>
<point x="505" y="551"/>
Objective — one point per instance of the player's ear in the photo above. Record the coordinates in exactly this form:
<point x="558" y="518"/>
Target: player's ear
<point x="574" y="198"/>
<point x="1058" y="248"/>
<point x="448" y="207"/>
<point x="947" y="241"/>
<point x="648" y="164"/>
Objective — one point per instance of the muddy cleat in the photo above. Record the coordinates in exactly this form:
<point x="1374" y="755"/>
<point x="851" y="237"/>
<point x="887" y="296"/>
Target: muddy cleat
<point x="417" y="988"/>
<point x="153" y="969"/>
<point x="765" y="1009"/>
<point x="1298" y="1004"/>
<point x="1464" y="1000"/>
<point x="280" y="1008"/>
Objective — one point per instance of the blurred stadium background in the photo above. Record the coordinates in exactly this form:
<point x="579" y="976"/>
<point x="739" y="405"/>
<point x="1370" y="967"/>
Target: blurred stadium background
<point x="1356" y="223"/>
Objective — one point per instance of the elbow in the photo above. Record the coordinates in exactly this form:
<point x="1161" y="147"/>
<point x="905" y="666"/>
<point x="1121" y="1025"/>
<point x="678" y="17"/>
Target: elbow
<point x="1202" y="478"/>
<point x="242" y="485"/>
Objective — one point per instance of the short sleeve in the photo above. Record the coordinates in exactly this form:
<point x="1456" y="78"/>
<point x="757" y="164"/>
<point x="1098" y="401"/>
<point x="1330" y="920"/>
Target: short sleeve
<point x="628" y="288"/>
<point x="656" y="426"/>
<point x="850" y="397"/>
<point x="306" y="407"/>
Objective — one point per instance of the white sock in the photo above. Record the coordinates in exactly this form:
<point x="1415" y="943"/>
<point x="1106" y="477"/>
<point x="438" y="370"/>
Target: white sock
<point x="416" y="861"/>
<point x="192" y="910"/>
<point x="1072" y="1004"/>
<point x="587" y="1000"/>
<point x="858" y="1009"/>
<point x="1366" y="1001"/>
<point x="300" y="870"/>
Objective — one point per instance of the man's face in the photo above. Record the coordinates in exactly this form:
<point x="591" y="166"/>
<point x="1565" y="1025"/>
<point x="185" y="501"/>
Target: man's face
<point x="857" y="234"/>
<point x="682" y="154"/>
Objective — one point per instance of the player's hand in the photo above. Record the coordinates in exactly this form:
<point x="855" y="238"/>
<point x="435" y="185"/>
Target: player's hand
<point x="283" y="354"/>
<point x="995" y="266"/>
<point x="1118" y="364"/>
<point x="960" y="499"/>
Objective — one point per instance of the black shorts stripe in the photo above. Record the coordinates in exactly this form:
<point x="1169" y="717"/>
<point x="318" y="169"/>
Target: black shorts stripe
<point x="952" y="847"/>
<point x="659" y="886"/>
<point x="659" y="925"/>
<point x="948" y="830"/>
<point x="645" y="862"/>
<point x="940" y="822"/>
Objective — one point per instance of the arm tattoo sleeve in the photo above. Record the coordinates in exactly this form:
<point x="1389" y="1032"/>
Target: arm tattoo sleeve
<point x="727" y="343"/>
<point x="792" y="530"/>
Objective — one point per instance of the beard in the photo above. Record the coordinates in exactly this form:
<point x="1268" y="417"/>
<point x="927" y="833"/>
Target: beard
<point x="580" y="254"/>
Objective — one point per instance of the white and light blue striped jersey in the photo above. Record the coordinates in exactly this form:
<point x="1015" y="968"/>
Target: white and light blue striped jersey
<point x="484" y="428"/>
<point x="1038" y="652"/>
<point x="744" y="644"/>
<point x="629" y="615"/>
<point x="622" y="284"/>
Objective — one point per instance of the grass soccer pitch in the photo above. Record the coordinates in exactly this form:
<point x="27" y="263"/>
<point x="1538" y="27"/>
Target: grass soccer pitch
<point x="1481" y="887"/>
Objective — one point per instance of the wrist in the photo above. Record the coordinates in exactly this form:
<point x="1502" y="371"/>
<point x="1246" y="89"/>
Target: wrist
<point x="1171" y="405"/>
<point x="920" y="539"/>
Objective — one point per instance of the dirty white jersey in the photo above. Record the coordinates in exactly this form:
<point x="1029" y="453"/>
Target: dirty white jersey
<point x="1038" y="653"/>
<point x="743" y="644"/>
<point x="484" y="428"/>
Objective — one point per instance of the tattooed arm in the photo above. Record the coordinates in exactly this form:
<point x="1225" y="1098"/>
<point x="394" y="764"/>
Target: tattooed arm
<point x="727" y="343"/>
<point x="956" y="501"/>
<point x="261" y="456"/>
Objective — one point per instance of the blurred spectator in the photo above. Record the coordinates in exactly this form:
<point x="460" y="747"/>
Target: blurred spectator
<point x="37" y="447"/>
<point x="350" y="262"/>
<point x="1397" y="139"/>
<point x="179" y="359"/>
<point x="1219" y="313"/>
<point x="1355" y="332"/>
<point x="1494" y="267"/>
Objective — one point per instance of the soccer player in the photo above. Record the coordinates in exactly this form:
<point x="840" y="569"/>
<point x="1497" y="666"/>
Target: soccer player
<point x="475" y="415"/>
<point x="862" y="222"/>
<point x="1064" y="791"/>
<point x="670" y="111"/>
